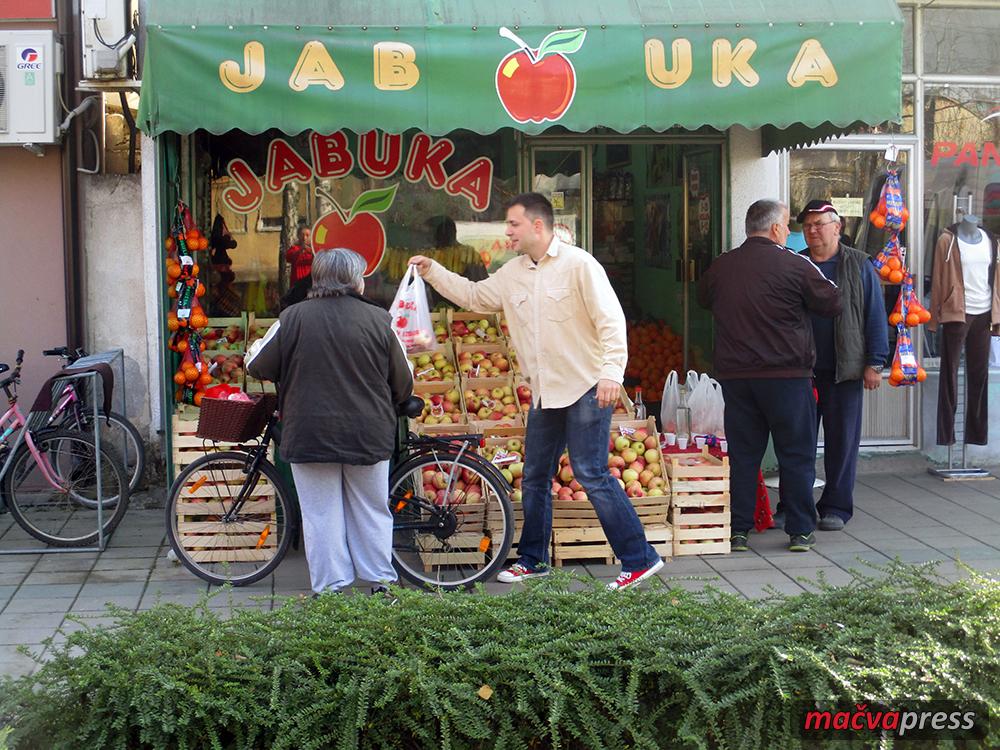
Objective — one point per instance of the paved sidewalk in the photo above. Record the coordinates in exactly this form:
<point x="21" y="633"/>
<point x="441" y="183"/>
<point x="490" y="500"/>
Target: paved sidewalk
<point x="912" y="516"/>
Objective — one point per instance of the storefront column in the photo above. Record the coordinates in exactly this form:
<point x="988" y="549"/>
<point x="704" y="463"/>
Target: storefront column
<point x="152" y="284"/>
<point x="751" y="178"/>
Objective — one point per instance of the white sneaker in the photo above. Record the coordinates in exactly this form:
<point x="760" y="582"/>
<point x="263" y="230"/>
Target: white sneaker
<point x="518" y="572"/>
<point x="629" y="580"/>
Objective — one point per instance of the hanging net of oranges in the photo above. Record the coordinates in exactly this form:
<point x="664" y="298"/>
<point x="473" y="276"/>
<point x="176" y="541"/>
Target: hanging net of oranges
<point x="186" y="318"/>
<point x="892" y="215"/>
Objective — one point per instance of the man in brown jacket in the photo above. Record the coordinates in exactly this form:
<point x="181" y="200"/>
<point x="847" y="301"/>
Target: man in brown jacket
<point x="761" y="294"/>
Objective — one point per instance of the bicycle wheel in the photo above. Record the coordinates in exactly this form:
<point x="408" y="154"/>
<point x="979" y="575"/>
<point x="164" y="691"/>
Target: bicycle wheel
<point x="65" y="515"/>
<point x="452" y="520"/>
<point x="117" y="433"/>
<point x="240" y="549"/>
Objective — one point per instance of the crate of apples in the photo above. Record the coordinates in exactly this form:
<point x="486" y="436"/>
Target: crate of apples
<point x="441" y="406"/>
<point x="475" y="331"/>
<point x="229" y="338"/>
<point x="227" y="368"/>
<point x="634" y="459"/>
<point x="432" y="367"/>
<point x="491" y="404"/>
<point x="507" y="454"/>
<point x="491" y="362"/>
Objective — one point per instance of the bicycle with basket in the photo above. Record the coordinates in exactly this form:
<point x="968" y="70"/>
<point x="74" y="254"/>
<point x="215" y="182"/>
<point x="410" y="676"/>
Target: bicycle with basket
<point x="231" y="517"/>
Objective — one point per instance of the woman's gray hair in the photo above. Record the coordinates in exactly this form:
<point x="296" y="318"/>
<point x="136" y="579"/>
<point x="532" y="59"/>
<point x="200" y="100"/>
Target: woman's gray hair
<point x="762" y="214"/>
<point x="336" y="272"/>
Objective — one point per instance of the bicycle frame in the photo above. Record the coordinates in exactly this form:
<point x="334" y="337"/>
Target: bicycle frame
<point x="13" y="421"/>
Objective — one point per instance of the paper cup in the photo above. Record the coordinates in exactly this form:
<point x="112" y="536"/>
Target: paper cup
<point x="724" y="446"/>
<point x="682" y="443"/>
<point x="700" y="442"/>
<point x="671" y="439"/>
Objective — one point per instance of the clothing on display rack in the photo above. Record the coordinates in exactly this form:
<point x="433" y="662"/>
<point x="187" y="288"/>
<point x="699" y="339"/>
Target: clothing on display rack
<point x="965" y="307"/>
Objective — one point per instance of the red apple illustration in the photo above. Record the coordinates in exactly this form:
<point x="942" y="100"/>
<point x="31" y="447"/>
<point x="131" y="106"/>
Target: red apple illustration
<point x="538" y="85"/>
<point x="359" y="230"/>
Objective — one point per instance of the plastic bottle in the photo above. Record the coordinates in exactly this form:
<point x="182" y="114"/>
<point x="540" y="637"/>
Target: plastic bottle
<point x="640" y="407"/>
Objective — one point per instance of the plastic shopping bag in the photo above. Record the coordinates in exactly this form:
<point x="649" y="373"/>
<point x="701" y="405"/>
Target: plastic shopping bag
<point x="411" y="315"/>
<point x="717" y="412"/>
<point x="701" y="403"/>
<point x="669" y="402"/>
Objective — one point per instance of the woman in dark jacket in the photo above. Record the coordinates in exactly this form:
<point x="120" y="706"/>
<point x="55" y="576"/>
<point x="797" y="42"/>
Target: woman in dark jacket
<point x="342" y="371"/>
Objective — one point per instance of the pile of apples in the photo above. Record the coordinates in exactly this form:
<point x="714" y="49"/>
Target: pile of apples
<point x="258" y="332"/>
<point x="633" y="459"/>
<point x="227" y="368"/>
<point x="481" y="364"/>
<point x="523" y="392"/>
<point x="466" y="489"/>
<point x="475" y="332"/>
<point x="491" y="404"/>
<point x="440" y="332"/>
<point x="225" y="339"/>
<point x="509" y="459"/>
<point x="441" y="408"/>
<point x="432" y="368"/>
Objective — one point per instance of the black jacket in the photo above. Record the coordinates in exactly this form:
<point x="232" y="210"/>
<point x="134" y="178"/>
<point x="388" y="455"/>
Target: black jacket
<point x="760" y="295"/>
<point x="341" y="371"/>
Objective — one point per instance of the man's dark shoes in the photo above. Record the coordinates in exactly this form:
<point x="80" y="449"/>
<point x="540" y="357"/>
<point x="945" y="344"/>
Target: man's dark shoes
<point x="739" y="541"/>
<point x="830" y="522"/>
<point x="801" y="542"/>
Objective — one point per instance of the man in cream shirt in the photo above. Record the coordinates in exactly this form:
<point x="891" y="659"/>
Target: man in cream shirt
<point x="569" y="331"/>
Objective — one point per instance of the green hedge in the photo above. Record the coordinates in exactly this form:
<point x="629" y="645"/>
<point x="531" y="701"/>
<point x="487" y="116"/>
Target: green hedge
<point x="655" y="668"/>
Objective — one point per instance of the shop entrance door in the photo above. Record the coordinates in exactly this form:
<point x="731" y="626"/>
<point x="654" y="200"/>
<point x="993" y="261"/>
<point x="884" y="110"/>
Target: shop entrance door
<point x="650" y="210"/>
<point x="852" y="175"/>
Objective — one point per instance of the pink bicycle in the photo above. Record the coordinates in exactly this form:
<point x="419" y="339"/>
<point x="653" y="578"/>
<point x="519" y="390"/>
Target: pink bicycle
<point x="49" y="478"/>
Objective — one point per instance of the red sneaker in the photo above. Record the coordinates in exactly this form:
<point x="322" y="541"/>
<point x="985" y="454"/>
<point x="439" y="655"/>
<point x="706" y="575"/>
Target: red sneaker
<point x="518" y="572"/>
<point x="629" y="580"/>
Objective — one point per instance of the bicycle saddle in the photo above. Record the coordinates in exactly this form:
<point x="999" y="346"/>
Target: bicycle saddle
<point x="3" y="368"/>
<point x="412" y="407"/>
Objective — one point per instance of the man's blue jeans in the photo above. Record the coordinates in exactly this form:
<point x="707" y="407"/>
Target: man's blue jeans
<point x="585" y="429"/>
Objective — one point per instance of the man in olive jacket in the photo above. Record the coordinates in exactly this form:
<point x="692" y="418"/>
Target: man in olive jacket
<point x="761" y="294"/>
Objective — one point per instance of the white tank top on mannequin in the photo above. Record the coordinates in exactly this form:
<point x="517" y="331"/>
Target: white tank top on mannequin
<point x="976" y="274"/>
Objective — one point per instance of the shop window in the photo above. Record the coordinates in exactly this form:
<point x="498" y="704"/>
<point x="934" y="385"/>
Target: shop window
<point x="266" y="187"/>
<point x="908" y="40"/>
<point x="961" y="42"/>
<point x="961" y="163"/>
<point x="853" y="180"/>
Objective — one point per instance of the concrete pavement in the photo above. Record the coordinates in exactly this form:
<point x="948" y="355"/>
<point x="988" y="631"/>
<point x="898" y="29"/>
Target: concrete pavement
<point x="907" y="515"/>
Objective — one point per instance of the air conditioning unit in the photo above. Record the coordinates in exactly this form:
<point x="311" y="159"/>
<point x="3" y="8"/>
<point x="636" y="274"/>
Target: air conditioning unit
<point x="106" y="39"/>
<point x="29" y="61"/>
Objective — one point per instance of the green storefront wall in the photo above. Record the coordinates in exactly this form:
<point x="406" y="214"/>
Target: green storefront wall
<point x="436" y="66"/>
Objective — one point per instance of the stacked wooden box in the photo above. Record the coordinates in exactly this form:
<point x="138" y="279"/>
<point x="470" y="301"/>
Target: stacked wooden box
<point x="700" y="503"/>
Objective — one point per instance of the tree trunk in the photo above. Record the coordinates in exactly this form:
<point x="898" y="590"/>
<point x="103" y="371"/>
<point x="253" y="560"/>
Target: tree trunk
<point x="289" y="230"/>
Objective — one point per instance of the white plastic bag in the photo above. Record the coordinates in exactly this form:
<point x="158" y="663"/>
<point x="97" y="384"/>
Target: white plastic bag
<point x="718" y="412"/>
<point x="669" y="402"/>
<point x="705" y="406"/>
<point x="411" y="314"/>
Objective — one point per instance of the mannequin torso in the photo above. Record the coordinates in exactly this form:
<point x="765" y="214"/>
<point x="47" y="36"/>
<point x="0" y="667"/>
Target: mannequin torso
<point x="969" y="231"/>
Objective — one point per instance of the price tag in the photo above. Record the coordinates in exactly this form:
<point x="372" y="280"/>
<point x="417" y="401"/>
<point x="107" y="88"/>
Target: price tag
<point x="488" y="403"/>
<point x="626" y="431"/>
<point x="481" y="333"/>
<point x="183" y="313"/>
<point x="428" y="371"/>
<point x="502" y="457"/>
<point x="187" y="260"/>
<point x="475" y="371"/>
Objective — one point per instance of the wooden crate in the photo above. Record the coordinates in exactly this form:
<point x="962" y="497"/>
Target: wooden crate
<point x="202" y="534"/>
<point x="467" y="316"/>
<point x="568" y="514"/>
<point x="496" y="527"/>
<point x="439" y="388"/>
<point x="486" y="349"/>
<point x="702" y="484"/>
<point x="449" y="355"/>
<point x="694" y="541"/>
<point x="590" y="543"/>
<point x="186" y="446"/>
<point x="629" y="413"/>
<point x="466" y="543"/>
<point x="220" y="325"/>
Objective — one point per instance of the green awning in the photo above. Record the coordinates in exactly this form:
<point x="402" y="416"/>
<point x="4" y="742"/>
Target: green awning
<point x="443" y="65"/>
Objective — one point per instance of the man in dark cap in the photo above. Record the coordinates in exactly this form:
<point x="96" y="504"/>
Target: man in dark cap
<point x="851" y="350"/>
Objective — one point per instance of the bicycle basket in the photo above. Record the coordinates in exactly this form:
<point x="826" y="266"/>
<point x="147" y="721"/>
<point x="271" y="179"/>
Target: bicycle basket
<point x="235" y="421"/>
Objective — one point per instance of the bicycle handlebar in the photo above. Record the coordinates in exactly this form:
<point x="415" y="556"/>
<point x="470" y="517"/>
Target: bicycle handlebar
<point x="20" y="358"/>
<point x="61" y="351"/>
